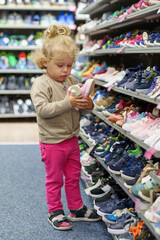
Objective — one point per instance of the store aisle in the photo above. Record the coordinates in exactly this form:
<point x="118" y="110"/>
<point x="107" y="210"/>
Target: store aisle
<point x="22" y="200"/>
<point x="18" y="132"/>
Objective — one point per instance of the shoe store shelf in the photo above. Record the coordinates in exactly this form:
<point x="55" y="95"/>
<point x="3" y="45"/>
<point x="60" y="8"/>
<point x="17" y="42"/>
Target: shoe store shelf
<point x="126" y="50"/>
<point x="149" y="224"/>
<point x="85" y="139"/>
<point x="14" y="92"/>
<point x="148" y="13"/>
<point x="94" y="7"/>
<point x="33" y="115"/>
<point x="155" y="177"/>
<point x="118" y="179"/>
<point x="38" y="8"/>
<point x="17" y="48"/>
<point x="130" y="93"/>
<point x="29" y="26"/>
<point x="125" y="133"/>
<point x="21" y="71"/>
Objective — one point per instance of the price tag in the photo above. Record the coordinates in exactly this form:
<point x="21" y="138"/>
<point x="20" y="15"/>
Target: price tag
<point x="145" y="179"/>
<point x="137" y="204"/>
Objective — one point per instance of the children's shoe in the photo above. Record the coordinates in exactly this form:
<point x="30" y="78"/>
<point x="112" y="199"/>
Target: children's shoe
<point x="59" y="221"/>
<point x="83" y="214"/>
<point x="157" y="228"/>
<point x="85" y="89"/>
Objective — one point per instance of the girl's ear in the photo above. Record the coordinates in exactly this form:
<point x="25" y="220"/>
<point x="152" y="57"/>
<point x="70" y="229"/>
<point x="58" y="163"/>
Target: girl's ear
<point x="44" y="61"/>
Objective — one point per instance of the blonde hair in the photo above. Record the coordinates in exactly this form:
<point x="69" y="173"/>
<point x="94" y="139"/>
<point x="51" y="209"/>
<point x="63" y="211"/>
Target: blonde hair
<point x="57" y="41"/>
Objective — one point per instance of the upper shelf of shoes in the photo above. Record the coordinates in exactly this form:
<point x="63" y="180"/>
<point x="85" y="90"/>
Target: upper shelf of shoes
<point x="71" y="8"/>
<point x="39" y="10"/>
<point x="130" y="93"/>
<point x="101" y="5"/>
<point x="136" y="17"/>
<point x="126" y="50"/>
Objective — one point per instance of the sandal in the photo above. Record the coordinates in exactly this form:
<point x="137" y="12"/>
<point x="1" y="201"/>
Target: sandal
<point x="83" y="214"/>
<point x="59" y="221"/>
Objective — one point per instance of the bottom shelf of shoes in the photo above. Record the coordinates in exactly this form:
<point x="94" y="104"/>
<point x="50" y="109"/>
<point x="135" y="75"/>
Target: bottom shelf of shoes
<point x="149" y="225"/>
<point x="120" y="181"/>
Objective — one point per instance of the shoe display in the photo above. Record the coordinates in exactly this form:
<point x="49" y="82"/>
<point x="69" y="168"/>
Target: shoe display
<point x="116" y="68"/>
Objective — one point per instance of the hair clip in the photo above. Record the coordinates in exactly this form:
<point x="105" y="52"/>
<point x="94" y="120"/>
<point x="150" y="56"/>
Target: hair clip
<point x="61" y="31"/>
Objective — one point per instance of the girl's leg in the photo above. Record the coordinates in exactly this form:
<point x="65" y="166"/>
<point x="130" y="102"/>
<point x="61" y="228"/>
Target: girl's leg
<point x="54" y="158"/>
<point x="72" y="175"/>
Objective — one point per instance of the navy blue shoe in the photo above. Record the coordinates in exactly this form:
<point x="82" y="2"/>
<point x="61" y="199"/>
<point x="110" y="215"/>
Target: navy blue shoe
<point x="116" y="167"/>
<point x="114" y="205"/>
<point x="98" y="205"/>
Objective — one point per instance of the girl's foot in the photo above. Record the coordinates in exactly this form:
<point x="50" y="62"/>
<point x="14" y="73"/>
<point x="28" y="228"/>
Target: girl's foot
<point x="59" y="221"/>
<point x="83" y="214"/>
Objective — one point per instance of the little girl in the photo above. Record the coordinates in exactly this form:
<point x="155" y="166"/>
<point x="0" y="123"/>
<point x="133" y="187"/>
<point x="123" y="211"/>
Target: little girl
<point x="58" y="124"/>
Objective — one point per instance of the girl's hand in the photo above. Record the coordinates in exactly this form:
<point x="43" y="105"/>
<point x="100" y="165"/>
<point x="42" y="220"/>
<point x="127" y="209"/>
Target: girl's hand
<point x="78" y="101"/>
<point x="90" y="103"/>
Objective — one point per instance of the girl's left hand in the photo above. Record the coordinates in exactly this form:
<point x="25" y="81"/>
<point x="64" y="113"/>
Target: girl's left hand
<point x="90" y="104"/>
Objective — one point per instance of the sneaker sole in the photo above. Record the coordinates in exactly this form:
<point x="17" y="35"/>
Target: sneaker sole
<point x="60" y="228"/>
<point x="115" y="172"/>
<point x="117" y="232"/>
<point x="107" y="221"/>
<point x="127" y="177"/>
<point x="127" y="186"/>
<point x="102" y="213"/>
<point x="72" y="219"/>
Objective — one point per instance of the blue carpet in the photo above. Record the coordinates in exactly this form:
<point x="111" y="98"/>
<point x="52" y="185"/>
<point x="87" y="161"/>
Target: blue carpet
<point x="23" y="209"/>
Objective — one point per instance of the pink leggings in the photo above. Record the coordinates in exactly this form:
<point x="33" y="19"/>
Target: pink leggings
<point x="62" y="159"/>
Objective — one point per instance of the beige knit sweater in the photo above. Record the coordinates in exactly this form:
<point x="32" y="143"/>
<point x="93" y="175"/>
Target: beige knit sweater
<point x="57" y="119"/>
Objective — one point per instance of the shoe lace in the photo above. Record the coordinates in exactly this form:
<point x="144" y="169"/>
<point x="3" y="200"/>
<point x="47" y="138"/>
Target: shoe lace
<point x="136" y="231"/>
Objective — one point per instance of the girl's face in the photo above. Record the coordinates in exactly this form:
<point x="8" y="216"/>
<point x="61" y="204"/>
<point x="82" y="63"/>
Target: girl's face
<point x="58" y="69"/>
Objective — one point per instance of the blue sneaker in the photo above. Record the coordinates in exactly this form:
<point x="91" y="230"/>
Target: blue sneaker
<point x="101" y="205"/>
<point x="152" y="86"/>
<point x="36" y="19"/>
<point x="145" y="85"/>
<point x="123" y="224"/>
<point x="117" y="154"/>
<point x="62" y="18"/>
<point x="116" y="167"/>
<point x="130" y="172"/>
<point x="114" y="205"/>
<point x="113" y="218"/>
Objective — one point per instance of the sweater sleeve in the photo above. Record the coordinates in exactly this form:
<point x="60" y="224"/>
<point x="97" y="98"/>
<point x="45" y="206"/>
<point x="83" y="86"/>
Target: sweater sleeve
<point x="40" y="95"/>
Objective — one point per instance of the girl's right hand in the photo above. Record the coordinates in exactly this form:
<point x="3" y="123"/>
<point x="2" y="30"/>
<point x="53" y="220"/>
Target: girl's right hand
<point x="78" y="101"/>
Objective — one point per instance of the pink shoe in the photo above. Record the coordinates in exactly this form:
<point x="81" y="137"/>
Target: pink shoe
<point x="158" y="173"/>
<point x="152" y="214"/>
<point x="153" y="2"/>
<point x="140" y="5"/>
<point x="84" y="89"/>
<point x="156" y="94"/>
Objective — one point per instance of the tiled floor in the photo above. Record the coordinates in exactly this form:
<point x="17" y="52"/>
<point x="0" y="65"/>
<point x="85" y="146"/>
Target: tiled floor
<point x="18" y="132"/>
